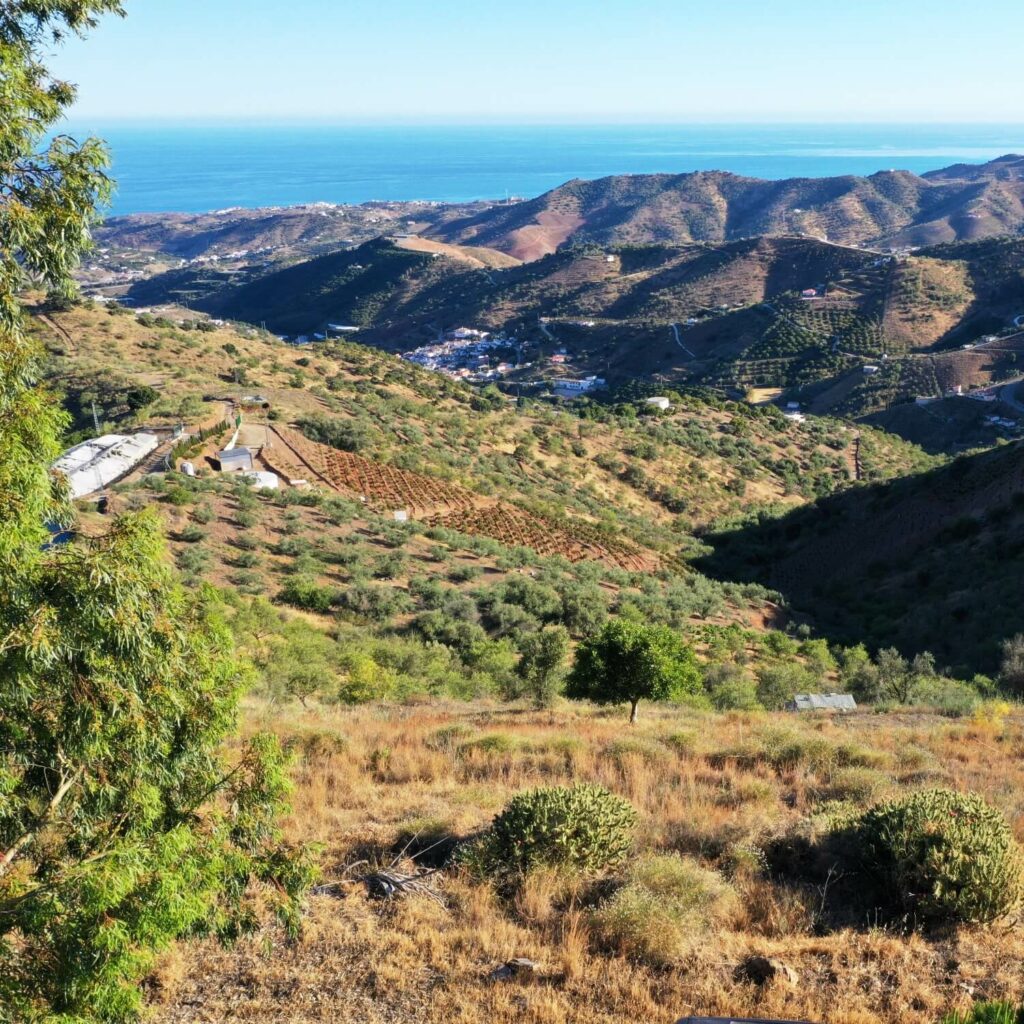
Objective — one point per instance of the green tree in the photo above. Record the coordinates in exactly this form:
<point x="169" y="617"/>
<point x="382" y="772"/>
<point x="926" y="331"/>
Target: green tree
<point x="628" y="662"/>
<point x="542" y="662"/>
<point x="124" y="823"/>
<point x="1011" y="669"/>
<point x="896" y="677"/>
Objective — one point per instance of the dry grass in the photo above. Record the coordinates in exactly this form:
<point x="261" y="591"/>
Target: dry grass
<point x="707" y="787"/>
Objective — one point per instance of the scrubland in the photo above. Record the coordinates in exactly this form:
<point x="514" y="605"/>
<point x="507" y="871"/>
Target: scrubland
<point x="726" y="803"/>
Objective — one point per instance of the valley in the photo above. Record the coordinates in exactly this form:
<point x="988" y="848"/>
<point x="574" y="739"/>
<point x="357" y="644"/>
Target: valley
<point x="465" y="434"/>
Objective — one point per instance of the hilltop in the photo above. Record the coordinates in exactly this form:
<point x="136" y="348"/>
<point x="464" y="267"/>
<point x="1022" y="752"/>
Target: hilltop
<point x="890" y="208"/>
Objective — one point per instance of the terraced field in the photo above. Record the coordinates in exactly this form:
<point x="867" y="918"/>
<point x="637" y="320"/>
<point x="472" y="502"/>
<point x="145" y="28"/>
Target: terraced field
<point x="383" y="486"/>
<point x="576" y="541"/>
<point x="428" y="499"/>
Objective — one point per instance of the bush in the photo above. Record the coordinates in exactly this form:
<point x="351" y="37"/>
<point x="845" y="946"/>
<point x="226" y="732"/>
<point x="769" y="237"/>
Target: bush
<point x="584" y="827"/>
<point x="988" y="1013"/>
<point x="306" y="593"/>
<point x="942" y="857"/>
<point x="664" y="907"/>
<point x="639" y="748"/>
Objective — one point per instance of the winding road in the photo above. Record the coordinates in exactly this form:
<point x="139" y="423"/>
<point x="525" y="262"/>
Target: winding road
<point x="675" y="333"/>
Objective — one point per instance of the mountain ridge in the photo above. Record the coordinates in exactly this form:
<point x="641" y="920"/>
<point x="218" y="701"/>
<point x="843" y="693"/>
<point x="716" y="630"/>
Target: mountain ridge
<point x="890" y="208"/>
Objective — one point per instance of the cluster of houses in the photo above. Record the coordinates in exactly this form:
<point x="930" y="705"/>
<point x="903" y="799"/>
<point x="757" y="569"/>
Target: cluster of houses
<point x="464" y="353"/>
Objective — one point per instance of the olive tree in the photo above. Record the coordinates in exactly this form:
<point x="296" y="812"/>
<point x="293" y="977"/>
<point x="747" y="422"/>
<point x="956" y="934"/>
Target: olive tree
<point x="542" y="663"/>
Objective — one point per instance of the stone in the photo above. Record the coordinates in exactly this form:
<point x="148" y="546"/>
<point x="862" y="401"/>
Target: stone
<point x="517" y="967"/>
<point x="764" y="969"/>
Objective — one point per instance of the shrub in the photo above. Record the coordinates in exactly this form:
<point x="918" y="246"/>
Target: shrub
<point x="492" y="743"/>
<point x="988" y="1013"/>
<point x="640" y="748"/>
<point x="584" y="827"/>
<point x="306" y="593"/>
<point x="448" y="737"/>
<point x="665" y="905"/>
<point x="857" y="785"/>
<point x="942" y="857"/>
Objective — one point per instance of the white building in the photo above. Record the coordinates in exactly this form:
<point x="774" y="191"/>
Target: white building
<point x="659" y="402"/>
<point x="93" y="465"/>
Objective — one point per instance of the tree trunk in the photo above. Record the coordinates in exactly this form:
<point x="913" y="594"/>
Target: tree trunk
<point x="632" y="712"/>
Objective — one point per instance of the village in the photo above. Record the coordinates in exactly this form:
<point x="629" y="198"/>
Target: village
<point x="470" y="354"/>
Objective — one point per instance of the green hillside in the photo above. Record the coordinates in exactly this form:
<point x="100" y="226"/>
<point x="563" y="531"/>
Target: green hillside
<point x="927" y="562"/>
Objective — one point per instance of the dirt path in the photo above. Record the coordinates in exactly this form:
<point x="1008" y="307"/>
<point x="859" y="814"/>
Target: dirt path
<point x="60" y="331"/>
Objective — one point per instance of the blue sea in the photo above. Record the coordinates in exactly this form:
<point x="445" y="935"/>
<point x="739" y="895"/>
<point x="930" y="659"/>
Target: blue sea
<point x="192" y="167"/>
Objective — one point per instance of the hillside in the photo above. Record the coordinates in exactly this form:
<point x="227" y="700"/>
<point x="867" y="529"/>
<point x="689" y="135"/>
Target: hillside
<point x="928" y="562"/>
<point x="732" y="315"/>
<point x="307" y="228"/>
<point x="887" y="208"/>
<point x="614" y="494"/>
<point x="890" y="208"/>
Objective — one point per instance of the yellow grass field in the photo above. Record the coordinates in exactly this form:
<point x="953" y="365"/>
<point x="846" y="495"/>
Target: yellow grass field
<point x="706" y="786"/>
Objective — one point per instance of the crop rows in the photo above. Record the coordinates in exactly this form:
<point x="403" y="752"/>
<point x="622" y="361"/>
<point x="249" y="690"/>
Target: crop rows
<point x="516" y="527"/>
<point x="381" y="485"/>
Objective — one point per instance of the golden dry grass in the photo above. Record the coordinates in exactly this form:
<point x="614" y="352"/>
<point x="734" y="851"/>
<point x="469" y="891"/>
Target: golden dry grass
<point x="703" y="784"/>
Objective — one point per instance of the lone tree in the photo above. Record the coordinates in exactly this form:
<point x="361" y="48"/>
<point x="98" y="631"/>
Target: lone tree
<point x="124" y="823"/>
<point x="628" y="662"/>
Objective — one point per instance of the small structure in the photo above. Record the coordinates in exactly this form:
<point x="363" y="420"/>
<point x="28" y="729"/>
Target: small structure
<point x="235" y="460"/>
<point x="870" y="371"/>
<point x="401" y="515"/>
<point x="263" y="481"/>
<point x="659" y="402"/>
<point x="809" y="293"/>
<point x="822" y="702"/>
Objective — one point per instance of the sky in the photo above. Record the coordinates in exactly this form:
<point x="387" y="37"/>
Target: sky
<point x="553" y="60"/>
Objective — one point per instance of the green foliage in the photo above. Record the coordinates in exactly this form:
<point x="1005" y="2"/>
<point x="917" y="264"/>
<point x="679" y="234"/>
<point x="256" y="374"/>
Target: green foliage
<point x="988" y="1013"/>
<point x="942" y="857"/>
<point x="542" y="662"/>
<point x="304" y="592"/>
<point x="584" y="828"/>
<point x="628" y="662"/>
<point x="123" y="826"/>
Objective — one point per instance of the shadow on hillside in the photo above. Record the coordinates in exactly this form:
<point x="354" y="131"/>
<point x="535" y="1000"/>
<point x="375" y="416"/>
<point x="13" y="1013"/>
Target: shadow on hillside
<point x="928" y="562"/>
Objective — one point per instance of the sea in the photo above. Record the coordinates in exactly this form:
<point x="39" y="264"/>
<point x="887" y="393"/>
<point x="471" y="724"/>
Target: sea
<point x="196" y="167"/>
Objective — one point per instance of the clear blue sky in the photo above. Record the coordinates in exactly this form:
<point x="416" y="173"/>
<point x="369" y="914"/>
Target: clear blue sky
<point x="524" y="60"/>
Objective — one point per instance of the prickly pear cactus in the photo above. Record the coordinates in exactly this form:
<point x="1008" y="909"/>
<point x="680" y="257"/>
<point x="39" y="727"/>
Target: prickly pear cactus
<point x="583" y="827"/>
<point x="943" y="857"/>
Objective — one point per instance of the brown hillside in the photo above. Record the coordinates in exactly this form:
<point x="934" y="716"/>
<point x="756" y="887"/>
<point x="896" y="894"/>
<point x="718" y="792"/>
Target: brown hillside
<point x="891" y="207"/>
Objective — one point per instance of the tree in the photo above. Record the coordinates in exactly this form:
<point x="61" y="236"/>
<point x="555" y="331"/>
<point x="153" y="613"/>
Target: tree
<point x="542" y="662"/>
<point x="896" y="678"/>
<point x="1011" y="670"/>
<point x="124" y="823"/>
<point x="628" y="662"/>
